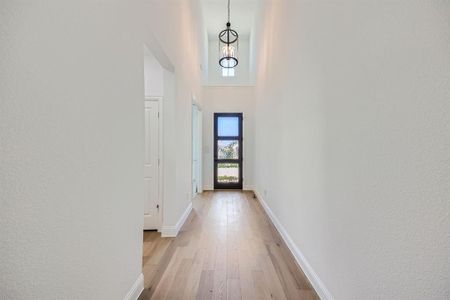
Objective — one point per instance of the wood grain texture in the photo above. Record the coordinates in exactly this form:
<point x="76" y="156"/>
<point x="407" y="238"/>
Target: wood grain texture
<point x="227" y="249"/>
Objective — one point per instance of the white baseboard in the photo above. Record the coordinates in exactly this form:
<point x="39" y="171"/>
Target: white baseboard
<point x="317" y="284"/>
<point x="172" y="231"/>
<point x="208" y="188"/>
<point x="136" y="289"/>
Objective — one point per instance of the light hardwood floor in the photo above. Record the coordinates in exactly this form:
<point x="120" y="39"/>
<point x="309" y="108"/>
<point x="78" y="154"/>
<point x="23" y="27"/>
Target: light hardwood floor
<point x="227" y="249"/>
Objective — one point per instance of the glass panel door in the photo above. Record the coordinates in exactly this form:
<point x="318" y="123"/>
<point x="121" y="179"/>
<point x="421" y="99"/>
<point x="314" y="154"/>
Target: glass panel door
<point x="228" y="151"/>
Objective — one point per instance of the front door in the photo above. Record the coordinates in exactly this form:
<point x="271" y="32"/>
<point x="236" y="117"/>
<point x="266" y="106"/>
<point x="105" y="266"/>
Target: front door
<point x="228" y="151"/>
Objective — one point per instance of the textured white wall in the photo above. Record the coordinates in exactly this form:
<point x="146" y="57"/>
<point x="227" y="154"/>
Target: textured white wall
<point x="228" y="99"/>
<point x="71" y="150"/>
<point x="353" y="141"/>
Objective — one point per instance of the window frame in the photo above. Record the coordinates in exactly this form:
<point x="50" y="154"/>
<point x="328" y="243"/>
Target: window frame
<point x="239" y="161"/>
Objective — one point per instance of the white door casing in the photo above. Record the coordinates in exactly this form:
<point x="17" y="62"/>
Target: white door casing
<point x="200" y="152"/>
<point x="196" y="150"/>
<point x="152" y="205"/>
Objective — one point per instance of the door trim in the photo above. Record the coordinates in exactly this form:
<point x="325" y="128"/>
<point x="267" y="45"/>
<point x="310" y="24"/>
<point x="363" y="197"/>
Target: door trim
<point x="238" y="185"/>
<point x="200" y="150"/>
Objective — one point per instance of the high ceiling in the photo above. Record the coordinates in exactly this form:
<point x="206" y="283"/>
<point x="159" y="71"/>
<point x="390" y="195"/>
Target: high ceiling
<point x="215" y="15"/>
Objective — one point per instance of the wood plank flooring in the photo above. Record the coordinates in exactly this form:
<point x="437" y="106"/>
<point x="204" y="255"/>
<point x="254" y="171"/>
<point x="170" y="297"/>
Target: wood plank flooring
<point x="227" y="249"/>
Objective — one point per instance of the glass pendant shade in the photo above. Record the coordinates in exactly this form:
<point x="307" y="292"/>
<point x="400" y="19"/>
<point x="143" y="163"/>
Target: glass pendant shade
<point x="228" y="47"/>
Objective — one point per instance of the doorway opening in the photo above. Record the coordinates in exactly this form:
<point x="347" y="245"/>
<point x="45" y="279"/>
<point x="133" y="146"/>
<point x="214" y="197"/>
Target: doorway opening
<point x="153" y="101"/>
<point x="228" y="151"/>
<point x="158" y="98"/>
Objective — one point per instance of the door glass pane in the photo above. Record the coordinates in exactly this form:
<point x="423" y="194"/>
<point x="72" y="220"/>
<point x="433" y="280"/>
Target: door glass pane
<point x="228" y="126"/>
<point x="227" y="173"/>
<point x="228" y="149"/>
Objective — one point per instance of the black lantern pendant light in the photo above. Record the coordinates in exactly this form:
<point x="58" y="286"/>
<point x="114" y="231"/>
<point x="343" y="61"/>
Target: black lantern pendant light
<point x="228" y="45"/>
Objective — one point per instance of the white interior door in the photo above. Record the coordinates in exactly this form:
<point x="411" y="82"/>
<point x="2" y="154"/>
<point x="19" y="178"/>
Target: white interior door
<point x="151" y="166"/>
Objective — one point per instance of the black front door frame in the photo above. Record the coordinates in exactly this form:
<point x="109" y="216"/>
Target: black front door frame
<point x="237" y="185"/>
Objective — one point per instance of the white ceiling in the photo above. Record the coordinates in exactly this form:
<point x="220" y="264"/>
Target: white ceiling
<point x="215" y="15"/>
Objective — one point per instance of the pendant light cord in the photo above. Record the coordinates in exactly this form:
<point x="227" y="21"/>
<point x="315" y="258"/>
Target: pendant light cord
<point x="228" y="11"/>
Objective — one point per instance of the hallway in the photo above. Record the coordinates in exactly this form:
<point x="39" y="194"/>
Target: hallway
<point x="227" y="249"/>
<point x="135" y="134"/>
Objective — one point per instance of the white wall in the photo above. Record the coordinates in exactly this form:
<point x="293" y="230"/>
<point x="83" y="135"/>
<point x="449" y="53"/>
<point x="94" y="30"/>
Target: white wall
<point x="353" y="141"/>
<point x="228" y="99"/>
<point x="71" y="154"/>
<point x="153" y="75"/>
<point x="242" y="70"/>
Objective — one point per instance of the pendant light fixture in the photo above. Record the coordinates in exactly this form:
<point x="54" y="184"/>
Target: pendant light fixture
<point x="228" y="45"/>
